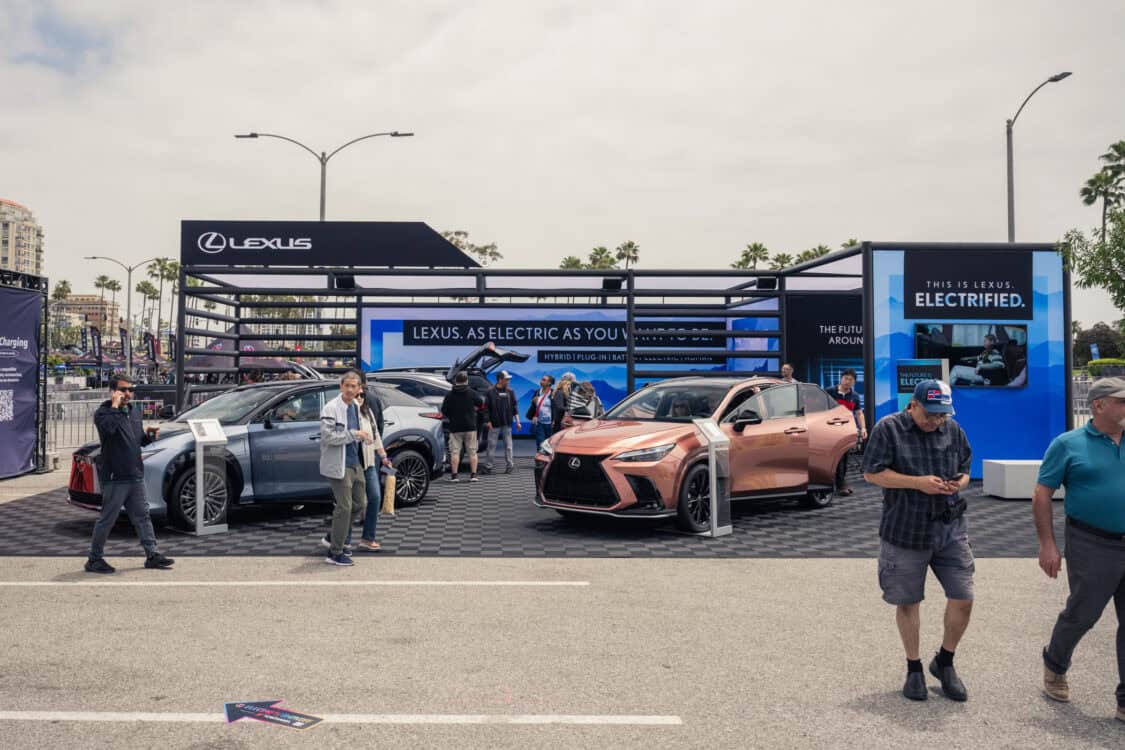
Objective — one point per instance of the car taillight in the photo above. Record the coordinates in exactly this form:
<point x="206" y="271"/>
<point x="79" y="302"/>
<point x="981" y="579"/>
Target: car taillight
<point x="431" y="414"/>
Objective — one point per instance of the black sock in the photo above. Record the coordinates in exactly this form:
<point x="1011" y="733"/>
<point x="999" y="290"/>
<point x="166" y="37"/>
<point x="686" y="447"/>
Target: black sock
<point x="944" y="658"/>
<point x="913" y="665"/>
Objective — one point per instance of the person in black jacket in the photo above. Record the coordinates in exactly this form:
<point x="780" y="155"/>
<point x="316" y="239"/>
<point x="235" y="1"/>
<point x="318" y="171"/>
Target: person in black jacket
<point x="460" y="408"/>
<point x="501" y="407"/>
<point x="121" y="472"/>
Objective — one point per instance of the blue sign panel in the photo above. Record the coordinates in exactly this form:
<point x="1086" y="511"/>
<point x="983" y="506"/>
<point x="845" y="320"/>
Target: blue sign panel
<point x="19" y="364"/>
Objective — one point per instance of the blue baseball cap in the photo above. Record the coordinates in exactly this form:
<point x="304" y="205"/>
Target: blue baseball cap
<point x="935" y="396"/>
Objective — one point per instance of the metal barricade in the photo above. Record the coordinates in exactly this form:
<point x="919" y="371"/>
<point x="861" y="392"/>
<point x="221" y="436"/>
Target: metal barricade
<point x="70" y="424"/>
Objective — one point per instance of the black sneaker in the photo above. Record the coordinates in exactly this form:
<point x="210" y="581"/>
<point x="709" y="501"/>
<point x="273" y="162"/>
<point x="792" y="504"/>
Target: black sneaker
<point x="915" y="686"/>
<point x="485" y="470"/>
<point x="342" y="560"/>
<point x="473" y="478"/>
<point x="157" y="560"/>
<point x="509" y="470"/>
<point x="454" y="478"/>
<point x="951" y="684"/>
<point x="98" y="565"/>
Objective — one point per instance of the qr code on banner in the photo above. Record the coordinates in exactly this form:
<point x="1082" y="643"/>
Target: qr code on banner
<point x="7" y="413"/>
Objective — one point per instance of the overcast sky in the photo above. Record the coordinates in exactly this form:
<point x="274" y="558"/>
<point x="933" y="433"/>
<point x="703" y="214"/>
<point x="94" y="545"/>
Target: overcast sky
<point x="552" y="127"/>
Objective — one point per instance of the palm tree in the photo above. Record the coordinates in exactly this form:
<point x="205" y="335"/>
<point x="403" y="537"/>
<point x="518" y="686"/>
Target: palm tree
<point x="60" y="293"/>
<point x="571" y="262"/>
<point x="1104" y="187"/>
<point x="102" y="282"/>
<point x="148" y="292"/>
<point x="601" y="259"/>
<point x="1114" y="159"/>
<point x="172" y="274"/>
<point x="628" y="251"/>
<point x="781" y="261"/>
<point x="850" y="242"/>
<point x="754" y="254"/>
<point x="158" y="270"/>
<point x="114" y="286"/>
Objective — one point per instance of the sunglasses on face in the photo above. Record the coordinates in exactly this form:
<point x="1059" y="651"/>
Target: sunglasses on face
<point x="126" y="390"/>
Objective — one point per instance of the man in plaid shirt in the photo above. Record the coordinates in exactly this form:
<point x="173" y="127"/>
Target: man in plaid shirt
<point x="921" y="457"/>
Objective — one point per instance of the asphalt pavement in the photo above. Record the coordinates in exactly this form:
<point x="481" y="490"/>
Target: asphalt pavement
<point x="480" y="653"/>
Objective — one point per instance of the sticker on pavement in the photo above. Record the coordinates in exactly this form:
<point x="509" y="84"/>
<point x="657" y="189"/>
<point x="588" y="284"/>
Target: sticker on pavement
<point x="270" y="713"/>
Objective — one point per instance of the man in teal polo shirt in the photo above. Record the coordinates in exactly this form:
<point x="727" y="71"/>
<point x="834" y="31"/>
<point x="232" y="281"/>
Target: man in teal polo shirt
<point x="1090" y="463"/>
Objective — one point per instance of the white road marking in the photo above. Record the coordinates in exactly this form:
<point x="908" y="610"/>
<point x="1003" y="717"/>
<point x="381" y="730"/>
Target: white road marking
<point x="287" y="584"/>
<point x="190" y="718"/>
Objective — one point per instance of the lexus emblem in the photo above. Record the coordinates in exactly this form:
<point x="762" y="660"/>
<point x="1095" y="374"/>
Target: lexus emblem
<point x="574" y="463"/>
<point x="212" y="242"/>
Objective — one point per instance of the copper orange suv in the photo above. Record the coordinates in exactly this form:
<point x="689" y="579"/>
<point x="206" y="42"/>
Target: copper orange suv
<point x="644" y="458"/>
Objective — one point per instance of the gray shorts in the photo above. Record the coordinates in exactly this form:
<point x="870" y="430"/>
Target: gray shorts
<point x="902" y="571"/>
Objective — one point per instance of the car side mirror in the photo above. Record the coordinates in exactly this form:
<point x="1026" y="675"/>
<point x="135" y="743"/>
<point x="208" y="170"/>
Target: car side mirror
<point x="745" y="419"/>
<point x="167" y="411"/>
<point x="267" y="422"/>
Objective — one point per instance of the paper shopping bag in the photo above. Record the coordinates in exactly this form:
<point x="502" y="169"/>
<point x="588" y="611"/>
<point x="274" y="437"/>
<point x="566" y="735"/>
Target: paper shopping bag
<point x="389" y="494"/>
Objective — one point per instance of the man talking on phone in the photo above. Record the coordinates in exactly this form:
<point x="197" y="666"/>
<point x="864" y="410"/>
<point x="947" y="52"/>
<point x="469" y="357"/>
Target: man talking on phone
<point x="121" y="472"/>
<point x="921" y="458"/>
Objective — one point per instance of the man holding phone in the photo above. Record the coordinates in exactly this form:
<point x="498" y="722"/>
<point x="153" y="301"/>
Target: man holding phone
<point x="921" y="458"/>
<point x="121" y="472"/>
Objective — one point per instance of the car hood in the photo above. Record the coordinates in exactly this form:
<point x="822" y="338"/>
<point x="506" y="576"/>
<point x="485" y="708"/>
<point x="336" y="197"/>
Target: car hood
<point x="616" y="435"/>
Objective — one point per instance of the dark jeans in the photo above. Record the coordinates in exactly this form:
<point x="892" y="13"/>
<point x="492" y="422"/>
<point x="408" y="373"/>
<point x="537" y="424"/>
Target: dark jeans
<point x="374" y="502"/>
<point x="542" y="432"/>
<point x="842" y="472"/>
<point x="1095" y="572"/>
<point x="131" y="495"/>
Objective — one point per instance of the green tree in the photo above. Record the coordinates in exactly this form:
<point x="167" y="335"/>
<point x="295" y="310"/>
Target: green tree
<point x="61" y="291"/>
<point x="171" y="275"/>
<point x="158" y="270"/>
<point x="601" y="259"/>
<point x="486" y="255"/>
<point x="627" y="252"/>
<point x="572" y="262"/>
<point x="102" y="282"/>
<point x="1109" y="340"/>
<point x="1104" y="186"/>
<point x="1114" y="159"/>
<point x="754" y="254"/>
<point x="781" y="261"/>
<point x="1099" y="264"/>
<point x="148" y="293"/>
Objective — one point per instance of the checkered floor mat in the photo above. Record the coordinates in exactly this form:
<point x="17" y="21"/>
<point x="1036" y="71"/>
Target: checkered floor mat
<point x="496" y="518"/>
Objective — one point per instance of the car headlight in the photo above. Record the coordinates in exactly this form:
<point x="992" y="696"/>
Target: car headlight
<point x="546" y="449"/>
<point x="646" y="454"/>
<point x="146" y="455"/>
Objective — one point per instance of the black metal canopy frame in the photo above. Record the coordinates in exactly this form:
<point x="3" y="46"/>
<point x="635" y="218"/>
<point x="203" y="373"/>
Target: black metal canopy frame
<point x="39" y="284"/>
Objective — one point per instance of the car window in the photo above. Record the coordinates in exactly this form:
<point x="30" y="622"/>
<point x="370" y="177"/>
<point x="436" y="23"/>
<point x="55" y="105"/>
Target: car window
<point x="304" y="407"/>
<point x="409" y="387"/>
<point x="778" y="402"/>
<point x="431" y="389"/>
<point x="231" y="407"/>
<point x="394" y="397"/>
<point x="814" y="399"/>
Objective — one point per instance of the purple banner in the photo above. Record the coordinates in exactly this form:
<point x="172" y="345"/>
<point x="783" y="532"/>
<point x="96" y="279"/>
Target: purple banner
<point x="19" y="368"/>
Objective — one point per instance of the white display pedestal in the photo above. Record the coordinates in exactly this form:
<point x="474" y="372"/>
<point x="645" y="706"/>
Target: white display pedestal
<point x="209" y="437"/>
<point x="1013" y="479"/>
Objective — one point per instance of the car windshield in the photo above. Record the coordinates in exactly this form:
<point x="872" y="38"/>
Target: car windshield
<point x="671" y="402"/>
<point x="230" y="407"/>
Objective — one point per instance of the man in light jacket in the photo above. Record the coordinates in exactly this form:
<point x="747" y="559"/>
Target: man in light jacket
<point x="341" y="462"/>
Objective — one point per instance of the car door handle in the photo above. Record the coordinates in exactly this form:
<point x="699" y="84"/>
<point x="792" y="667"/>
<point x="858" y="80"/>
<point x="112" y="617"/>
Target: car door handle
<point x="388" y="421"/>
<point x="314" y="437"/>
<point x="839" y="421"/>
<point x="795" y="430"/>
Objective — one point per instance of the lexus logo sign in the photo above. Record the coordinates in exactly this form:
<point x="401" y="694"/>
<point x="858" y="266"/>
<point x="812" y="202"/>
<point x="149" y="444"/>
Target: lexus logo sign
<point x="212" y="242"/>
<point x="216" y="242"/>
<point x="575" y="463"/>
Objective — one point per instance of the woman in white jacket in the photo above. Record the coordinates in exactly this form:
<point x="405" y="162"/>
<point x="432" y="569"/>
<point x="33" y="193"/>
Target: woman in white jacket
<point x="370" y="424"/>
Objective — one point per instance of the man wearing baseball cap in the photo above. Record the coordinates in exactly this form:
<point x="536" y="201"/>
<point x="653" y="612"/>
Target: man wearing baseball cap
<point x="1090" y="463"/>
<point x="921" y="458"/>
<point x="501" y="407"/>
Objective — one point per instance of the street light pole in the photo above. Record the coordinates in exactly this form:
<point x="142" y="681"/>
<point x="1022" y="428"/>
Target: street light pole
<point x="323" y="157"/>
<point x="1008" y="134"/>
<point x="127" y="345"/>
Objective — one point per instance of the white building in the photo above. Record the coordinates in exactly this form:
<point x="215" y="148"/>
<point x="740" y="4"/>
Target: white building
<point x="21" y="239"/>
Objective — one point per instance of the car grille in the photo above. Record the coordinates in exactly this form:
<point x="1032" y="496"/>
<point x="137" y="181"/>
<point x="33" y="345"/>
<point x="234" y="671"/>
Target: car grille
<point x="584" y="484"/>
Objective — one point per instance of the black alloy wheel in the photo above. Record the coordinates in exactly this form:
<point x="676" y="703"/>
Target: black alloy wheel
<point x="182" y="502"/>
<point x="693" y="512"/>
<point x="819" y="498"/>
<point x="412" y="480"/>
